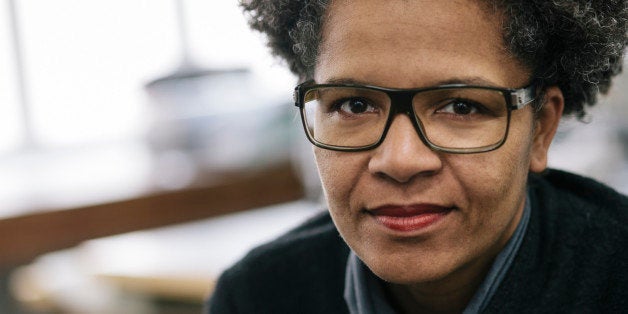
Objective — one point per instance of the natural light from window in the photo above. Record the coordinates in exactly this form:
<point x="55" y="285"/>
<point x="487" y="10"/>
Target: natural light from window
<point x="85" y="66"/>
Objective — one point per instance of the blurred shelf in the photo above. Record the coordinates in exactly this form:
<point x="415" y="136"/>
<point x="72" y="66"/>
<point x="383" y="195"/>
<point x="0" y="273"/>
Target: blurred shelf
<point x="24" y="237"/>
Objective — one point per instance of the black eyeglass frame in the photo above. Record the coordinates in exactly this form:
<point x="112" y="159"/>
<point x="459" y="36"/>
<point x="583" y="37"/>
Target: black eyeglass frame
<point x="401" y="103"/>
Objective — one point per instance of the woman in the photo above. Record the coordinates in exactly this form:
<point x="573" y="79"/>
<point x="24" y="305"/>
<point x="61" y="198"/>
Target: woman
<point x="431" y="122"/>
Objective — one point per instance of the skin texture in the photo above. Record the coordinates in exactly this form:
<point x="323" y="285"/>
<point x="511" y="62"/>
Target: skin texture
<point x="397" y="44"/>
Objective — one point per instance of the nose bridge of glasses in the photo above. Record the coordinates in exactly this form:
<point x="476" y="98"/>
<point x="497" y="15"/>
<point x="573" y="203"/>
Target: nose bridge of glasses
<point x="401" y="102"/>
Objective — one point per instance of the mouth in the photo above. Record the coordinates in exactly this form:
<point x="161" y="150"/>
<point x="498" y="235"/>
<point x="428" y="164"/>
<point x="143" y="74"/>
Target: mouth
<point x="409" y="218"/>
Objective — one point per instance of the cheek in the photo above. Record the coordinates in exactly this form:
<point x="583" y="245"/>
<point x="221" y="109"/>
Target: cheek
<point x="339" y="173"/>
<point x="495" y="185"/>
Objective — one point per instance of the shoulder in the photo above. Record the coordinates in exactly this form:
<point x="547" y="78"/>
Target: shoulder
<point x="574" y="254"/>
<point x="582" y="215"/>
<point x="316" y="240"/>
<point x="578" y="188"/>
<point x="301" y="271"/>
<point x="573" y="200"/>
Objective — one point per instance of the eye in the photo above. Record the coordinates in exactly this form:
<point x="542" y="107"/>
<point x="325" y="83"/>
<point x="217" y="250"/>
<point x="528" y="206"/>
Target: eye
<point x="355" y="106"/>
<point x="460" y="107"/>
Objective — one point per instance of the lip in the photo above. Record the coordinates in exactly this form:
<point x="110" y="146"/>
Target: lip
<point x="407" y="218"/>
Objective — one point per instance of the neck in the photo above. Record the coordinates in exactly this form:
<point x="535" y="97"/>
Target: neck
<point x="445" y="296"/>
<point x="411" y="299"/>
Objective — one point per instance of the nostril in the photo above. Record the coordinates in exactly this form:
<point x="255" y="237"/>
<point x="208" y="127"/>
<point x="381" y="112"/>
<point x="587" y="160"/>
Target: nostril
<point x="401" y="162"/>
<point x="400" y="178"/>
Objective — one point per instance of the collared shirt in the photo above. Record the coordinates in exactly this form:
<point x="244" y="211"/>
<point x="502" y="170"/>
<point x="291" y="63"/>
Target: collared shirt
<point x="364" y="294"/>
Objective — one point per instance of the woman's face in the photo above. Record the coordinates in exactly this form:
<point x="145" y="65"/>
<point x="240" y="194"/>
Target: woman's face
<point x="459" y="210"/>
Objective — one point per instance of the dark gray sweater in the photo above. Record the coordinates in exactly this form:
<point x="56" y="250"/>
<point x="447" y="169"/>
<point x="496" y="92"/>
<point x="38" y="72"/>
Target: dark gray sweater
<point x="573" y="259"/>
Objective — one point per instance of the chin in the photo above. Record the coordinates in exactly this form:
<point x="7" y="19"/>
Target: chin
<point x="410" y="270"/>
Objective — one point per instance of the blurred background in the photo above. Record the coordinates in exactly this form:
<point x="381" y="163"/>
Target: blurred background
<point x="146" y="145"/>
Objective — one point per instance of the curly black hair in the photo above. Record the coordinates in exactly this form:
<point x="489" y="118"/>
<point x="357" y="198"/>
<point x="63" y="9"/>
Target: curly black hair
<point x="577" y="45"/>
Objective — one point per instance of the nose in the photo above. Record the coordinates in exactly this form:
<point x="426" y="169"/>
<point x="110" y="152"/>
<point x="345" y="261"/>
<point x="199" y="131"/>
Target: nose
<point x="403" y="156"/>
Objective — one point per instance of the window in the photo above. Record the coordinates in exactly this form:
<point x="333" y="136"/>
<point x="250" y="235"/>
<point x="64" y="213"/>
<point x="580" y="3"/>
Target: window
<point x="85" y="65"/>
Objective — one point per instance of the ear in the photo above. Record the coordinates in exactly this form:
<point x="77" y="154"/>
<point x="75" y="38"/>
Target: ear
<point x="545" y="127"/>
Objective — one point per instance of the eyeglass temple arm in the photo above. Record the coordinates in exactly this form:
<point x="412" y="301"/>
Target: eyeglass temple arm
<point x="522" y="97"/>
<point x="296" y="96"/>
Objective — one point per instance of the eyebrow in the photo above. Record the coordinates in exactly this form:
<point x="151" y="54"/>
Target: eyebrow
<point x="472" y="80"/>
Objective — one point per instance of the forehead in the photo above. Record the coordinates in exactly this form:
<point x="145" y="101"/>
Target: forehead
<point x="417" y="40"/>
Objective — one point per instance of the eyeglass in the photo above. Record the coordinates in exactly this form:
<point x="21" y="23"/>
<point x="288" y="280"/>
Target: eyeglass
<point x="453" y="118"/>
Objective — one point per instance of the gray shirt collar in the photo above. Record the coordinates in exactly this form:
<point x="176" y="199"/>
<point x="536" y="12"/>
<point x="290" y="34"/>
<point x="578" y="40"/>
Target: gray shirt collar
<point x="364" y="295"/>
